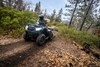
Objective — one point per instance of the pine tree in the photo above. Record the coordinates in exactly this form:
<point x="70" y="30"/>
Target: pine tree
<point x="86" y="14"/>
<point x="52" y="18"/>
<point x="58" y="18"/>
<point x="45" y="13"/>
<point x="38" y="8"/>
<point x="76" y="2"/>
<point x="19" y="4"/>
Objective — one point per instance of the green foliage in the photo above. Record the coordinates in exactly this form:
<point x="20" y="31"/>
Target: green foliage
<point x="78" y="36"/>
<point x="28" y="17"/>
<point x="12" y="20"/>
<point x="17" y="32"/>
<point x="5" y="20"/>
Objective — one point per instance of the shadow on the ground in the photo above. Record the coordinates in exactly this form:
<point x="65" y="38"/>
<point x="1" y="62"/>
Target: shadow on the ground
<point x="13" y="61"/>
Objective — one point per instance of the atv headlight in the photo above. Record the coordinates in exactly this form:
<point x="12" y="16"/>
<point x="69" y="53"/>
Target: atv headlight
<point x="38" y="29"/>
<point x="26" y="28"/>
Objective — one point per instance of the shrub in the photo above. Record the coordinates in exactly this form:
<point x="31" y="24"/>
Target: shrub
<point x="17" y="32"/>
<point x="12" y="20"/>
<point x="29" y="17"/>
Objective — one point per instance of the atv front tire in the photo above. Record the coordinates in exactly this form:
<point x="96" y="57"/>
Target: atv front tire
<point x="26" y="38"/>
<point x="41" y="39"/>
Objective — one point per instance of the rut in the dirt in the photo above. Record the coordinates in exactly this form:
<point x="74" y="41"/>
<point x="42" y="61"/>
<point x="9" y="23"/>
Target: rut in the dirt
<point x="14" y="53"/>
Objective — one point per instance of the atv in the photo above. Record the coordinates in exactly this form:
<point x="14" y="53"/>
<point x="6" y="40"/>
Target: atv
<point x="38" y="33"/>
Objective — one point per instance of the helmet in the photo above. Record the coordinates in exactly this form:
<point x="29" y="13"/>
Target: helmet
<point x="41" y="17"/>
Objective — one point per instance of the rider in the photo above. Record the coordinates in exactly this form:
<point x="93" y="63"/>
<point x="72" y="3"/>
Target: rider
<point x="42" y="21"/>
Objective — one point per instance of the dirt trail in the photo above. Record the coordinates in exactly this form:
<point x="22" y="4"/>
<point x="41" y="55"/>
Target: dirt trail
<point x="58" y="52"/>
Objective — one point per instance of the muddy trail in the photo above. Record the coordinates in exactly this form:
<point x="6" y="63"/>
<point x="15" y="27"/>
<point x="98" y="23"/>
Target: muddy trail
<point x="55" y="53"/>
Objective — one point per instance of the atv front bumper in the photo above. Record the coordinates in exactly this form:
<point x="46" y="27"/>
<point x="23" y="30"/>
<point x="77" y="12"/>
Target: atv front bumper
<point x="32" y="34"/>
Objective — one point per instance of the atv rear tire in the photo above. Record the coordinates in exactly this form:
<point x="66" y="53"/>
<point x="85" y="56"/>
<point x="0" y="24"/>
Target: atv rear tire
<point x="41" y="39"/>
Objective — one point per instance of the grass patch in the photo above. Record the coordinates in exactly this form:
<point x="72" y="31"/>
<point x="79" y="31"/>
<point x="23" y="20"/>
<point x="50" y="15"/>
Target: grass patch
<point x="78" y="36"/>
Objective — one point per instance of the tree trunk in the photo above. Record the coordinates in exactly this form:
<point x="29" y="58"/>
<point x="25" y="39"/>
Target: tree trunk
<point x="85" y="16"/>
<point x="10" y="4"/>
<point x="89" y="27"/>
<point x="73" y="13"/>
<point x="1" y="3"/>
